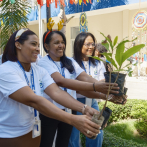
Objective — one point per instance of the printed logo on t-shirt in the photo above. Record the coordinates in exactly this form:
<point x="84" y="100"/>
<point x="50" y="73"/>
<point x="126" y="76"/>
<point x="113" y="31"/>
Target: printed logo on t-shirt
<point x="41" y="86"/>
<point x="72" y="76"/>
<point x="95" y="72"/>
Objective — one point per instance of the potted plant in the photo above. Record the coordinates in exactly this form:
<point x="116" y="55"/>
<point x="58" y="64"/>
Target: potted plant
<point x="116" y="54"/>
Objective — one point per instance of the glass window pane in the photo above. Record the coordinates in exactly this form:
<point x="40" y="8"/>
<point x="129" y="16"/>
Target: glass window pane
<point x="74" y="32"/>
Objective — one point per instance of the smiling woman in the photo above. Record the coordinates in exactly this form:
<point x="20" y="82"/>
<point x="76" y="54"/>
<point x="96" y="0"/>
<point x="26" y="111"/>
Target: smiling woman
<point x="71" y="78"/>
<point x="22" y="84"/>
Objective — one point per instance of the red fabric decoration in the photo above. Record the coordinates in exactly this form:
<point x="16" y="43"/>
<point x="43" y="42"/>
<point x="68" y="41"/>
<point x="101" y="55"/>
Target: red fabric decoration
<point x="40" y="2"/>
<point x="56" y="2"/>
<point x="90" y="1"/>
<point x="71" y="2"/>
<point x="62" y="3"/>
<point x="84" y="1"/>
<point x="48" y="2"/>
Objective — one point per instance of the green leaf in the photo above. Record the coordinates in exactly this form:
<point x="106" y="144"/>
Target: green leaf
<point x="115" y="41"/>
<point x="106" y="45"/>
<point x="127" y="65"/>
<point x="112" y="61"/>
<point x="119" y="51"/>
<point x="131" y="51"/>
<point x="110" y="42"/>
<point x="118" y="70"/>
<point x="130" y="73"/>
<point x="97" y="58"/>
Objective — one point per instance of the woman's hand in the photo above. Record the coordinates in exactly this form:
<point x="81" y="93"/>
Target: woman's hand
<point x="90" y="111"/>
<point x="118" y="99"/>
<point x="84" y="124"/>
<point x="104" y="87"/>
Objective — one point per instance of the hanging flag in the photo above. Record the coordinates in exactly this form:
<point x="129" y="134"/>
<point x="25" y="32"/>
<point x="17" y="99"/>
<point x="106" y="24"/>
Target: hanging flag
<point x="71" y="2"/>
<point x="56" y="2"/>
<point x="80" y="2"/>
<point x="48" y="2"/>
<point x="40" y="2"/>
<point x="62" y="3"/>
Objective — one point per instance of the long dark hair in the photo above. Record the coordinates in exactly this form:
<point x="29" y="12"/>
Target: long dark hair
<point x="78" y="44"/>
<point x="67" y="63"/>
<point x="10" y="53"/>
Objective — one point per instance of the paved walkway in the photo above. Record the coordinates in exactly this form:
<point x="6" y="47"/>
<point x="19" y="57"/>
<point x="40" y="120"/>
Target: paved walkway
<point x="137" y="87"/>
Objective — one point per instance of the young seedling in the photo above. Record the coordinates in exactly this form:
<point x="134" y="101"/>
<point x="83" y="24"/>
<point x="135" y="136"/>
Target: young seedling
<point x="117" y="54"/>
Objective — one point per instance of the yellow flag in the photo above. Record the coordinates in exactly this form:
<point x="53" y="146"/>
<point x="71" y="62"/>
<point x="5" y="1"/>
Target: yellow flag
<point x="80" y="2"/>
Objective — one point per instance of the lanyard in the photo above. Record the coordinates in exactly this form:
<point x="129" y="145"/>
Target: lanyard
<point x="85" y="68"/>
<point x="32" y="86"/>
<point x="60" y="70"/>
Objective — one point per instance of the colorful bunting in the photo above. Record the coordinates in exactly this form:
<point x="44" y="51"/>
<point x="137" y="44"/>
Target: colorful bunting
<point x="40" y="2"/>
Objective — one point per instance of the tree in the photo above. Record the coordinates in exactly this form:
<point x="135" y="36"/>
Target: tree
<point x="63" y="16"/>
<point x="12" y="18"/>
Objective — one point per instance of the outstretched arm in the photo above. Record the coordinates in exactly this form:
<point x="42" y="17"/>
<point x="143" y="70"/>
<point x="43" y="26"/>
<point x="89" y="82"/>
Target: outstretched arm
<point x="83" y="83"/>
<point x="99" y="95"/>
<point x="82" y="123"/>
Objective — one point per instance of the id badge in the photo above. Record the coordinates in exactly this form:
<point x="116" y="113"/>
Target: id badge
<point x="68" y="110"/>
<point x="36" y="129"/>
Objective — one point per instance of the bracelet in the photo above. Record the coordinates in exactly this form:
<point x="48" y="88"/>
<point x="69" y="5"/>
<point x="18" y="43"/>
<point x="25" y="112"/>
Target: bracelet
<point x="83" y="109"/>
<point x="94" y="86"/>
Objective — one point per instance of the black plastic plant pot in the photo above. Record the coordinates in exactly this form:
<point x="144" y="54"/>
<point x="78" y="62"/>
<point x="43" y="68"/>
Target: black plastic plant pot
<point x="120" y="81"/>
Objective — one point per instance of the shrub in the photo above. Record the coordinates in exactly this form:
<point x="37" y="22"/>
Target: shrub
<point x="136" y="109"/>
<point x="132" y="109"/>
<point x="110" y="140"/>
<point x="141" y="126"/>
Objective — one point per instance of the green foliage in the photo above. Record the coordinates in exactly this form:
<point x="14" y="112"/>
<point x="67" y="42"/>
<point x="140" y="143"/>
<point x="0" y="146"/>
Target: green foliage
<point x="111" y="140"/>
<point x="126" y="129"/>
<point x="115" y="41"/>
<point x="134" y="109"/>
<point x="141" y="126"/>
<point x="83" y="140"/>
<point x="121" y="55"/>
<point x="13" y="17"/>
<point x="131" y="51"/>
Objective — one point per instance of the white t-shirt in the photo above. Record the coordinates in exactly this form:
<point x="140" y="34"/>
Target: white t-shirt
<point x="96" y="71"/>
<point x="16" y="119"/>
<point x="38" y="58"/>
<point x="52" y="68"/>
<point x="1" y="59"/>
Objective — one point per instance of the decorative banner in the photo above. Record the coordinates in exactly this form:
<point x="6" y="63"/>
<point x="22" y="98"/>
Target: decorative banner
<point x="140" y="20"/>
<point x="83" y="22"/>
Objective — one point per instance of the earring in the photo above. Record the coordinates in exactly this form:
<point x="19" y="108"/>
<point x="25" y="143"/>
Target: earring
<point x="20" y="48"/>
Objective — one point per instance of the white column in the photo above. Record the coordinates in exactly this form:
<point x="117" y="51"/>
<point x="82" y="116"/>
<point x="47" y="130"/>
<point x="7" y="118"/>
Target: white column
<point x="40" y="31"/>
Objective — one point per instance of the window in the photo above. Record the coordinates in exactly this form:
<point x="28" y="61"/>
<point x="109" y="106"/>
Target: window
<point x="74" y="32"/>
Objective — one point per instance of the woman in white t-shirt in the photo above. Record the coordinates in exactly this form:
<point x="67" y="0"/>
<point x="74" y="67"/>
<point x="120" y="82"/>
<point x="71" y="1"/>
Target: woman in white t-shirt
<point x="69" y="76"/>
<point x="85" y="45"/>
<point x="22" y="84"/>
